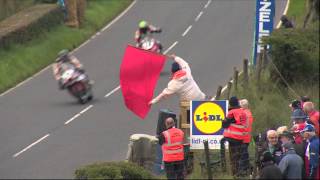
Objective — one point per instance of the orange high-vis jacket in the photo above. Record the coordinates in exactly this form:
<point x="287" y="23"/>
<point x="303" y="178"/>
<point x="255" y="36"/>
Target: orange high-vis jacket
<point x="172" y="148"/>
<point x="237" y="130"/>
<point x="247" y="137"/>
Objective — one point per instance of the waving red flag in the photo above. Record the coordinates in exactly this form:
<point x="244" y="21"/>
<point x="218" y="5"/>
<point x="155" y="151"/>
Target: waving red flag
<point x="139" y="73"/>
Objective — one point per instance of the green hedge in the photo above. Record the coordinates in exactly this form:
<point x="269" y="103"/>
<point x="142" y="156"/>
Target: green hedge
<point x="29" y="23"/>
<point x="112" y="170"/>
<point x="295" y="52"/>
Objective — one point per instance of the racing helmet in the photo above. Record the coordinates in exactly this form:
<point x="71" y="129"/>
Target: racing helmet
<point x="62" y="55"/>
<point x="143" y="24"/>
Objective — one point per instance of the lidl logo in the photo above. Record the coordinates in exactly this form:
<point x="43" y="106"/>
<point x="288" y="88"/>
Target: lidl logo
<point x="207" y="117"/>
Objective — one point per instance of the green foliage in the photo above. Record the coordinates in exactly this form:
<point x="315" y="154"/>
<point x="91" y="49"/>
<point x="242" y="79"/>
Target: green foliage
<point x="295" y="52"/>
<point x="112" y="170"/>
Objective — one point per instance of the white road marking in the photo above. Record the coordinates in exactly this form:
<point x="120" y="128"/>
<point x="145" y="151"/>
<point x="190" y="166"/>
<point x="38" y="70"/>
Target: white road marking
<point x="28" y="147"/>
<point x="111" y="92"/>
<point x="79" y="114"/>
<point x="207" y="4"/>
<point x="187" y="30"/>
<point x="174" y="44"/>
<point x="98" y="33"/>
<point x="199" y="15"/>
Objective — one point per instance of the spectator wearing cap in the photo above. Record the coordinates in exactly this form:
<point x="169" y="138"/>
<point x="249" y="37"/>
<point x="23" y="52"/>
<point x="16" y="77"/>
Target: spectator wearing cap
<point x="181" y="83"/>
<point x="312" y="152"/>
<point x="291" y="164"/>
<point x="295" y="104"/>
<point x="269" y="169"/>
<point x="235" y="130"/>
<point x="298" y="118"/>
<point x="308" y="108"/>
<point x="286" y="137"/>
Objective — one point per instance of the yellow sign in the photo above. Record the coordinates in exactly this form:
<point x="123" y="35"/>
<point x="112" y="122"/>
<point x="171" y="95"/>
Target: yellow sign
<point x="208" y="117"/>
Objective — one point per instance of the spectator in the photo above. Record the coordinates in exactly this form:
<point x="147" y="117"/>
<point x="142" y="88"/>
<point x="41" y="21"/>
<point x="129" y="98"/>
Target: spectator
<point x="286" y="137"/>
<point x="298" y="118"/>
<point x="308" y="108"/>
<point x="295" y="104"/>
<point x="234" y="132"/>
<point x="172" y="150"/>
<point x="281" y="129"/>
<point x="272" y="145"/>
<point x="269" y="169"/>
<point x="312" y="152"/>
<point x="182" y="83"/>
<point x="63" y="7"/>
<point x="286" y="23"/>
<point x="244" y="160"/>
<point x="291" y="164"/>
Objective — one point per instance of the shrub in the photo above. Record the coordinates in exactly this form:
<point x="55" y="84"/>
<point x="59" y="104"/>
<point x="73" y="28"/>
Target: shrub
<point x="112" y="170"/>
<point x="295" y="52"/>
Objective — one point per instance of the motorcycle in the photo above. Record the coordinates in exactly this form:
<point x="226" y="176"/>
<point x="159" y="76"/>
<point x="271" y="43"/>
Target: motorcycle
<point x="150" y="44"/>
<point x="78" y="84"/>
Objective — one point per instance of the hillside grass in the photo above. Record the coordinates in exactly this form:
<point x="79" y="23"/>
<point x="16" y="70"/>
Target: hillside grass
<point x="269" y="102"/>
<point x="20" y="61"/>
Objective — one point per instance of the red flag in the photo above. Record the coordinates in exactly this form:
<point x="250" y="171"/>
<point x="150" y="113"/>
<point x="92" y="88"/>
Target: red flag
<point x="139" y="73"/>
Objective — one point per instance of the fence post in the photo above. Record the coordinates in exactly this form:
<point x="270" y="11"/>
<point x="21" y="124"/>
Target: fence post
<point x="218" y="94"/>
<point x="235" y="78"/>
<point x="245" y="72"/>
<point x="229" y="89"/>
<point x="206" y="150"/>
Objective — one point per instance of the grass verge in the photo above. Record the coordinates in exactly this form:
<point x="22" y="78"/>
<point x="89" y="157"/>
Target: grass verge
<point x="22" y="60"/>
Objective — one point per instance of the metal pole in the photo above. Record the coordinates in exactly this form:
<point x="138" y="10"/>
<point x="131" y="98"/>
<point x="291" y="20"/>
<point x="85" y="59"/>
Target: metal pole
<point x="206" y="150"/>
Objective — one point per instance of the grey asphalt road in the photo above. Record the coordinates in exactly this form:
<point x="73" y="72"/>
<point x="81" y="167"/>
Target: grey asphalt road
<point x="35" y="142"/>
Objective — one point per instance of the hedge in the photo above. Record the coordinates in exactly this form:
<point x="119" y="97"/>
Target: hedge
<point x="29" y="23"/>
<point x="295" y="52"/>
<point x="112" y="170"/>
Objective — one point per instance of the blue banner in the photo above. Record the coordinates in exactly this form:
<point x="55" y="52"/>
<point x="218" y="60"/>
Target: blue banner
<point x="265" y="11"/>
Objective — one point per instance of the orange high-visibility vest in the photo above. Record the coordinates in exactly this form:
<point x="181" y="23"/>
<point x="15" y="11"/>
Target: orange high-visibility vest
<point x="247" y="137"/>
<point x="237" y="130"/>
<point x="172" y="148"/>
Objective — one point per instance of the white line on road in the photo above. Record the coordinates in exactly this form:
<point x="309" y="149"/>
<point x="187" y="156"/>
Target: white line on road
<point x="166" y="51"/>
<point x="79" y="114"/>
<point x="28" y="147"/>
<point x="187" y="30"/>
<point x="111" y="92"/>
<point x="207" y="4"/>
<point x="199" y="15"/>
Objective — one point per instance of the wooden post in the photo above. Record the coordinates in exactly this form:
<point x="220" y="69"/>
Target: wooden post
<point x="245" y="73"/>
<point x="229" y="89"/>
<point x="218" y="94"/>
<point x="235" y="78"/>
<point x="206" y="150"/>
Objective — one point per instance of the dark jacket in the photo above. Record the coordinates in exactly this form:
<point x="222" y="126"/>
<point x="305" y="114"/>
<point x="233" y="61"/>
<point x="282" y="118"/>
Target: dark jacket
<point x="270" y="171"/>
<point x="276" y="154"/>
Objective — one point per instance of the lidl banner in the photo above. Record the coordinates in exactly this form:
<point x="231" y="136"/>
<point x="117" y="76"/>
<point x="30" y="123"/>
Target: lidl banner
<point x="265" y="11"/>
<point x="206" y="123"/>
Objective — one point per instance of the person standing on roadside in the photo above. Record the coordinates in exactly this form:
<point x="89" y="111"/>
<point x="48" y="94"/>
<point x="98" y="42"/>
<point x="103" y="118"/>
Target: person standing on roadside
<point x="172" y="150"/>
<point x="234" y="132"/>
<point x="181" y="83"/>
<point x="312" y="152"/>
<point x="291" y="164"/>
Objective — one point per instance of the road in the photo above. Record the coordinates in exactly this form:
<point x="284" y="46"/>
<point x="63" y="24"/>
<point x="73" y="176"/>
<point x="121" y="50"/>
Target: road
<point x="44" y="135"/>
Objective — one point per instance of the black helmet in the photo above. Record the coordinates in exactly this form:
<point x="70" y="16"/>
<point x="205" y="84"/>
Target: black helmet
<point x="62" y="54"/>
